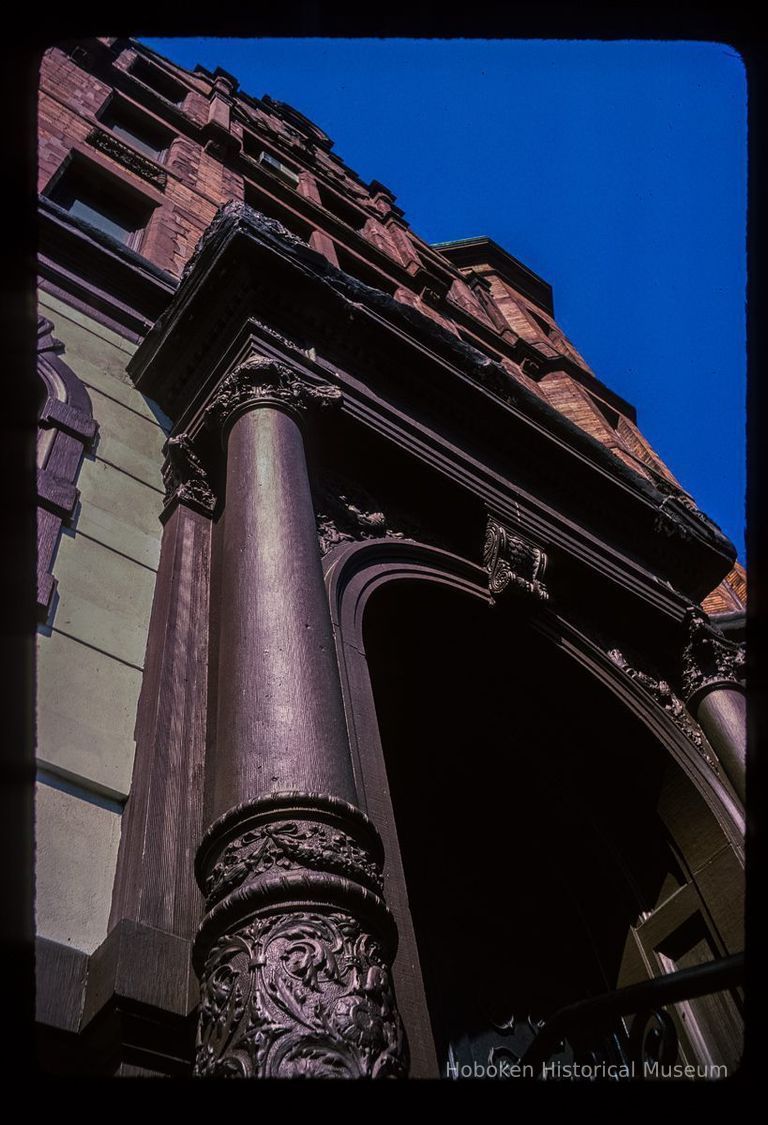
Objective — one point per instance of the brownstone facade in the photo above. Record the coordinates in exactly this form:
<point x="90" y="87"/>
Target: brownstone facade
<point x="335" y="399"/>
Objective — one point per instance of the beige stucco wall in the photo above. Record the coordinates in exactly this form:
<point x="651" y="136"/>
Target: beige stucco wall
<point x="91" y="651"/>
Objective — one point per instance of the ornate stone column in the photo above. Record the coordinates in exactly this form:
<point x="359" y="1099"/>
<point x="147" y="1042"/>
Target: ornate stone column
<point x="296" y="944"/>
<point x="711" y="669"/>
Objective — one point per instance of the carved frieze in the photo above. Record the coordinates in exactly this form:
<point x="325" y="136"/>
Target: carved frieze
<point x="661" y="691"/>
<point x="261" y="381"/>
<point x="681" y="498"/>
<point x="513" y="563"/>
<point x="294" y="953"/>
<point x="348" y="513"/>
<point x="287" y="341"/>
<point x="290" y="846"/>
<point x="185" y="478"/>
<point x="708" y="658"/>
<point x="129" y="158"/>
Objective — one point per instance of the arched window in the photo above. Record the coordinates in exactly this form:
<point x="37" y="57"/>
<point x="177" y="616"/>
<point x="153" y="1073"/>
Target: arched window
<point x="65" y="430"/>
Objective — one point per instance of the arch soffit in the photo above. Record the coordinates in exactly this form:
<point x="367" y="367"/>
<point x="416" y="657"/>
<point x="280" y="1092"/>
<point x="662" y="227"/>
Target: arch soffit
<point x="354" y="571"/>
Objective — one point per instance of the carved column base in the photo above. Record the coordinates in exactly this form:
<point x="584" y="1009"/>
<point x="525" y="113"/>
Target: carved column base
<point x="295" y="950"/>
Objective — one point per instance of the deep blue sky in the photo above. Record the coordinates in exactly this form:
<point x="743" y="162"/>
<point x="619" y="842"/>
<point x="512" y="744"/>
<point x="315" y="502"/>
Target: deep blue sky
<point x="616" y="170"/>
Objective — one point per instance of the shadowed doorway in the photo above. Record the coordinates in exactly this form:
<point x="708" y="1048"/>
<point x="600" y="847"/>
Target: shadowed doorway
<point x="532" y="817"/>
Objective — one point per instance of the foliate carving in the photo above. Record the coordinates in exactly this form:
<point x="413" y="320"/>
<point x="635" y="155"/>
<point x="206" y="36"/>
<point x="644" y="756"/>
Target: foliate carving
<point x="348" y="513"/>
<point x="708" y="658"/>
<point x="680" y="497"/>
<point x="227" y="213"/>
<point x="127" y="156"/>
<point x="286" y="341"/>
<point x="237" y="214"/>
<point x="672" y="704"/>
<point x="289" y="846"/>
<point x="260" y="380"/>
<point x="513" y="562"/>
<point x="301" y="994"/>
<point x="667" y="521"/>
<point x="184" y="476"/>
<point x="294" y="952"/>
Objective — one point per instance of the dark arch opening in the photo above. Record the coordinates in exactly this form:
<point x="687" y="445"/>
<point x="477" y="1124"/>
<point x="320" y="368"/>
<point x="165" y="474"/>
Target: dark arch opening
<point x="540" y="824"/>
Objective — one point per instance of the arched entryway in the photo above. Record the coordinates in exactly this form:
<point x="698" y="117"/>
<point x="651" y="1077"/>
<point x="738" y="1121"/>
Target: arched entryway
<point x="544" y="844"/>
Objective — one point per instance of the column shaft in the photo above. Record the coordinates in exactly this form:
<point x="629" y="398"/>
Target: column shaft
<point x="281" y="723"/>
<point x="722" y="715"/>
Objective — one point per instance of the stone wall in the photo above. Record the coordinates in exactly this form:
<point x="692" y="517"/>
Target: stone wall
<point x="91" y="649"/>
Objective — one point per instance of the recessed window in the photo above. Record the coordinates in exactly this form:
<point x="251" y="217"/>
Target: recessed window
<point x="157" y="79"/>
<point x="359" y="268"/>
<point x="611" y="416"/>
<point x="103" y="203"/>
<point x="280" y="169"/>
<point x="340" y="208"/>
<point x="136" y="129"/>
<point x="544" y="325"/>
<point x="253" y="146"/>
<point x="273" y="210"/>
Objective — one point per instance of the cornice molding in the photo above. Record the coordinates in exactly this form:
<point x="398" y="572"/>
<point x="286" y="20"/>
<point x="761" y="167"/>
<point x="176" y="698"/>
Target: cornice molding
<point x="383" y="344"/>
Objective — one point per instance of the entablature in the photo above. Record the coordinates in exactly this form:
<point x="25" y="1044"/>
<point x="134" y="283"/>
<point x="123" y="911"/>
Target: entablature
<point x="253" y="285"/>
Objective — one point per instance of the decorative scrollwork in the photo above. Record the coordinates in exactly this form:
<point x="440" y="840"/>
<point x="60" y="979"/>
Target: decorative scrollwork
<point x="127" y="156"/>
<point x="672" y="704"/>
<point x="653" y="1039"/>
<point x="347" y="513"/>
<point x="300" y="994"/>
<point x="259" y="380"/>
<point x="708" y="658"/>
<point x="184" y="476"/>
<point x="294" y="952"/>
<point x="513" y="562"/>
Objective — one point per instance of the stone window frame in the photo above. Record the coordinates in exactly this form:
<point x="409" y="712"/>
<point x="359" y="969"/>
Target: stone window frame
<point x="116" y="104"/>
<point x="78" y="169"/>
<point x="66" y="431"/>
<point x="160" y="81"/>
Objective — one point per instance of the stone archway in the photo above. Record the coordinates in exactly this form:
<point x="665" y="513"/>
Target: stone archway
<point x="550" y="835"/>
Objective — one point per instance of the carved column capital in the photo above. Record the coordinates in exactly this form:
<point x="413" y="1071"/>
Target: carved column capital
<point x="708" y="659"/>
<point x="295" y="948"/>
<point x="185" y="478"/>
<point x="261" y="381"/>
<point x="513" y="562"/>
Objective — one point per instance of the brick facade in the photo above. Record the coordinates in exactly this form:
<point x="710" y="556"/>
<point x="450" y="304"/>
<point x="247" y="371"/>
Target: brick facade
<point x="298" y="403"/>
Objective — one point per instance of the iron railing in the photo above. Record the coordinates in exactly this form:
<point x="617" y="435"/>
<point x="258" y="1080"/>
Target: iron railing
<point x="595" y="1030"/>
